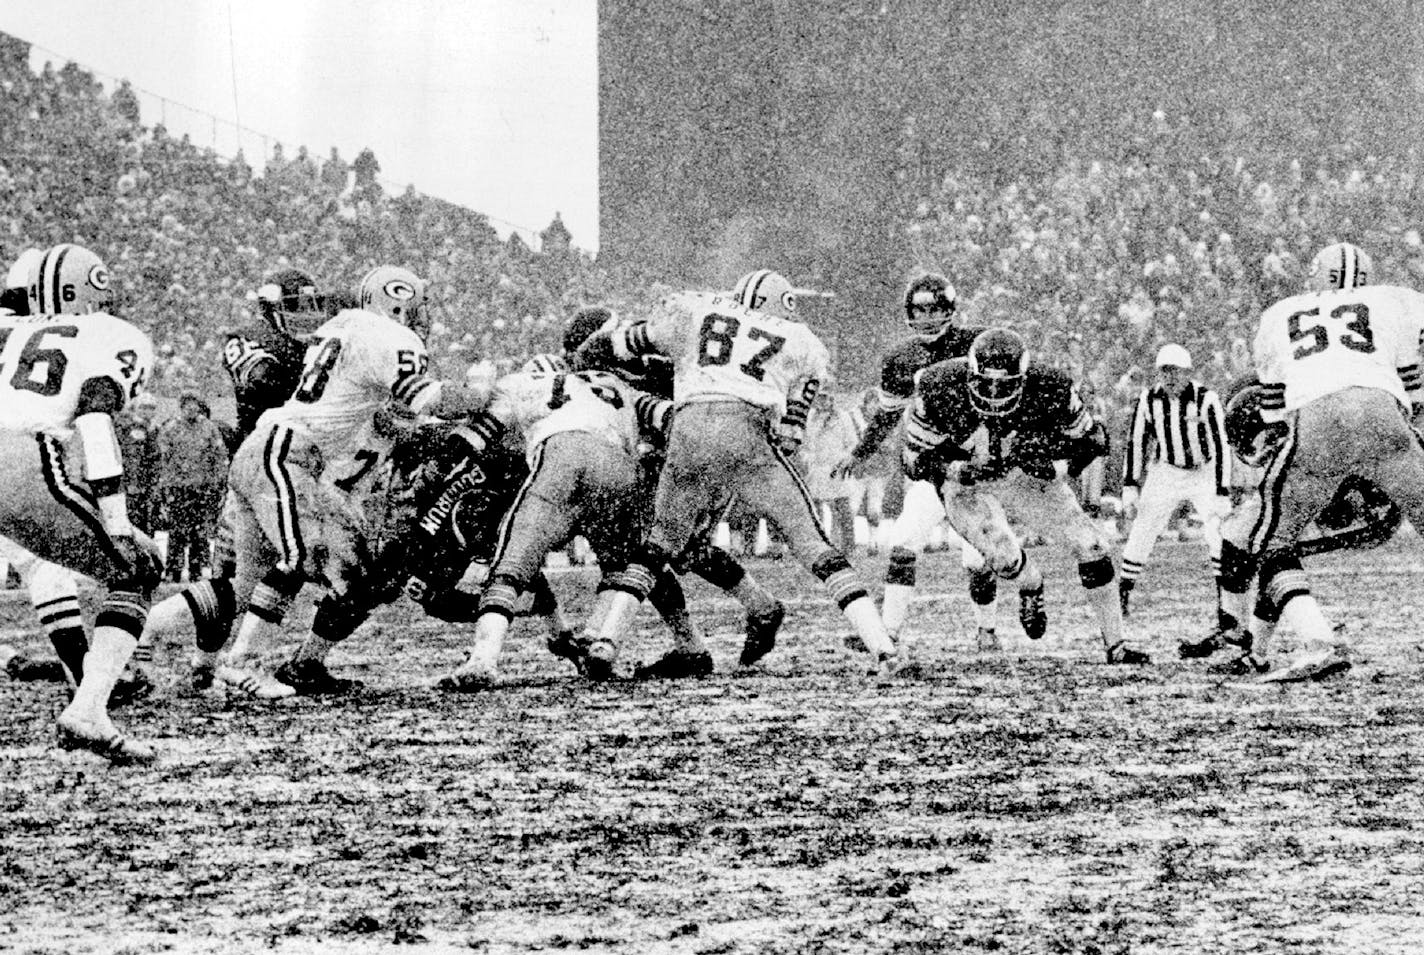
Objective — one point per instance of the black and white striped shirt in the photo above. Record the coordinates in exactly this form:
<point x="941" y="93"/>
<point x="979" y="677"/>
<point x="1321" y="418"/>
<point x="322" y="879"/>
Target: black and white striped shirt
<point x="1188" y="430"/>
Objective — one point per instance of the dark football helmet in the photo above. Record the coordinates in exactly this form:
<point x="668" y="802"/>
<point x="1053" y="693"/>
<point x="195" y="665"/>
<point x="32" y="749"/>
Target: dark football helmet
<point x="998" y="368"/>
<point x="586" y="322"/>
<point x="1250" y="435"/>
<point x="289" y="302"/>
<point x="929" y="305"/>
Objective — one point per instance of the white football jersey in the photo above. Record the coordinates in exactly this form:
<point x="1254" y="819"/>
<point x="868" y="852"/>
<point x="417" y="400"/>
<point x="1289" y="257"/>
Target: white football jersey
<point x="45" y="360"/>
<point x="355" y="363"/>
<point x="541" y="404"/>
<point x="1318" y="343"/>
<point x="722" y="350"/>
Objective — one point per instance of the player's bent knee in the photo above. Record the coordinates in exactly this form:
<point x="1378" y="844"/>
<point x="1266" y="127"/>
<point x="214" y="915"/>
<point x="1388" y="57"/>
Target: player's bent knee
<point x="1096" y="573"/>
<point x="902" y="568"/>
<point x="1237" y="568"/>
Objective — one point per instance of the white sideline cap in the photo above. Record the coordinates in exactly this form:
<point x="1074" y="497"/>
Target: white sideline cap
<point x="1173" y="356"/>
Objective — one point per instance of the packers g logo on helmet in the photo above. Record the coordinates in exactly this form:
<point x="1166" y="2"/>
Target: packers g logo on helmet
<point x="396" y="293"/>
<point x="68" y="279"/>
<point x="766" y="291"/>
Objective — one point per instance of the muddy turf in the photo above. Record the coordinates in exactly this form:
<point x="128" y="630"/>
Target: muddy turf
<point x="1031" y="801"/>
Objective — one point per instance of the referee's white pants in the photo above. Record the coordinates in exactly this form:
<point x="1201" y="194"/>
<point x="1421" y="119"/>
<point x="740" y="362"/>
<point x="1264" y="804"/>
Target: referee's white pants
<point x="1164" y="488"/>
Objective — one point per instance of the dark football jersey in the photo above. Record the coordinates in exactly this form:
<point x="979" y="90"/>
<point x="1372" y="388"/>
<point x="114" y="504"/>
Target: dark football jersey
<point x="1041" y="429"/>
<point x="897" y="379"/>
<point x="264" y="366"/>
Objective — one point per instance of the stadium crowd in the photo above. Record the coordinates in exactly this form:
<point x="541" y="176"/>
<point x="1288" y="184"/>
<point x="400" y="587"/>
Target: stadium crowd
<point x="1100" y="258"/>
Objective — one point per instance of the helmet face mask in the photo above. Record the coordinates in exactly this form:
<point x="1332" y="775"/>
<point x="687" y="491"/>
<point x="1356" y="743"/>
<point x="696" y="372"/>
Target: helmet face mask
<point x="68" y="280"/>
<point x="398" y="294"/>
<point x="289" y="302"/>
<point x="929" y="305"/>
<point x="998" y="369"/>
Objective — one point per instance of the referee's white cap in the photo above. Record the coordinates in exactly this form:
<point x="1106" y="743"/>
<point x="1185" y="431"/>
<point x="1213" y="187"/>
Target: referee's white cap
<point x="1173" y="356"/>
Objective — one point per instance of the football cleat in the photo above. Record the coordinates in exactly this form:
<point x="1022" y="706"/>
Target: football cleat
<point x="568" y="646"/>
<point x="676" y="665"/>
<point x="1219" y="639"/>
<point x="254" y="683"/>
<point x="1244" y="665"/>
<point x="987" y="640"/>
<point x="103" y="738"/>
<point x="1312" y="667"/>
<point x="470" y="677"/>
<point x="131" y="687"/>
<point x="761" y="634"/>
<point x="1121" y="653"/>
<point x="598" y="661"/>
<point x="312" y="678"/>
<point x="1032" y="615"/>
<point x="26" y="669"/>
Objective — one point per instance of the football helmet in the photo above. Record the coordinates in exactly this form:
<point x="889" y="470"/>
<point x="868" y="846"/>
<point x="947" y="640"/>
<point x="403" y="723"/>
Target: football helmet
<point x="15" y="299"/>
<point x="1339" y="265"/>
<point x="766" y="291"/>
<point x="586" y="322"/>
<point x="68" y="280"/>
<point x="546" y="363"/>
<point x="998" y="368"/>
<point x="289" y="302"/>
<point x="1250" y="435"/>
<point x="398" y="294"/>
<point x="929" y="305"/>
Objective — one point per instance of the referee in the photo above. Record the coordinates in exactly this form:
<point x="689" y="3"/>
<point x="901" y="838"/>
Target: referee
<point x="1181" y="424"/>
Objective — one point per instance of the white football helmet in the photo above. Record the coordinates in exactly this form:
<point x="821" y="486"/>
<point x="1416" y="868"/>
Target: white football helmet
<point x="546" y="363"/>
<point x="68" y="279"/>
<point x="1340" y="265"/>
<point x="766" y="291"/>
<point x="396" y="293"/>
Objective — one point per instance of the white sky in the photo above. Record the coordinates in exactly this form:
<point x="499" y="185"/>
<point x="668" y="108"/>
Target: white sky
<point x="492" y="104"/>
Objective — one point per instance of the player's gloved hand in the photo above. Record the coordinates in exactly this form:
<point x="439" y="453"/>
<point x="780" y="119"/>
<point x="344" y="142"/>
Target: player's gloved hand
<point x="970" y="473"/>
<point x="850" y="467"/>
<point x="1129" y="500"/>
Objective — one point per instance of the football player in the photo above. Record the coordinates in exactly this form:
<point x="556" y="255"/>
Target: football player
<point x="930" y="304"/>
<point x="1359" y="516"/>
<point x="291" y="521"/>
<point x="1339" y="371"/>
<point x="68" y="368"/>
<point x="580" y="431"/>
<point x="997" y="433"/>
<point x="764" y="613"/>
<point x="746" y="372"/>
<point x="53" y="591"/>
<point x="450" y="487"/>
<point x="264" y="360"/>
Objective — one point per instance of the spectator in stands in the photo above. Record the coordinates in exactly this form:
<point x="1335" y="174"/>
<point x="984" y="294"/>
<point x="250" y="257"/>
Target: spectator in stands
<point x="138" y="444"/>
<point x="194" y="470"/>
<point x="334" y="172"/>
